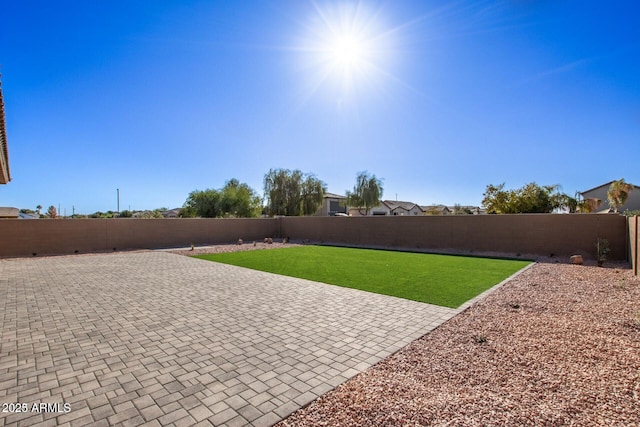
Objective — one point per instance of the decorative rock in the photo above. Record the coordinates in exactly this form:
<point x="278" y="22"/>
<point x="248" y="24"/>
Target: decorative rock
<point x="240" y="241"/>
<point x="576" y="259"/>
<point x="269" y="240"/>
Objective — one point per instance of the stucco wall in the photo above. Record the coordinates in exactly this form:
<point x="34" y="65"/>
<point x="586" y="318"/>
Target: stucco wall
<point x="538" y="234"/>
<point x="66" y="236"/>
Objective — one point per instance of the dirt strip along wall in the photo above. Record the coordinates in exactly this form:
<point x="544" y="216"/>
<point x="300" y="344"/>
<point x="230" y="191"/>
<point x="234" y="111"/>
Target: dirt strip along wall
<point x="536" y="234"/>
<point x="20" y="237"/>
<point x="634" y="243"/>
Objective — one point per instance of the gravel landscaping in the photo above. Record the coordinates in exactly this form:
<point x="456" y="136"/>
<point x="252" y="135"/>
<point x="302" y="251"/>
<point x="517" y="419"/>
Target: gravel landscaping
<point x="233" y="247"/>
<point x="558" y="345"/>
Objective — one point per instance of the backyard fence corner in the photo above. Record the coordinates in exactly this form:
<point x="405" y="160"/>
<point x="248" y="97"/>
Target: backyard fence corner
<point x="634" y="242"/>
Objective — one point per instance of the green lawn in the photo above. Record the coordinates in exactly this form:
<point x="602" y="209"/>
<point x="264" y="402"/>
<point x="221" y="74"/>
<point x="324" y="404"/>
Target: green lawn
<point x="436" y="279"/>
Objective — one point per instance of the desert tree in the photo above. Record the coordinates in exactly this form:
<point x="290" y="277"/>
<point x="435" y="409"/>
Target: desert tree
<point x="202" y="203"/>
<point x="238" y="200"/>
<point x="589" y="205"/>
<point x="531" y="198"/>
<point x="235" y="199"/>
<point x="292" y="193"/>
<point x="154" y="214"/>
<point x="572" y="203"/>
<point x="52" y="212"/>
<point x="366" y="193"/>
<point x="312" y="194"/>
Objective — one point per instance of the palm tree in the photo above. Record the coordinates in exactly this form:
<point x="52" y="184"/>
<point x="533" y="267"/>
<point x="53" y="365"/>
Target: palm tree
<point x="618" y="193"/>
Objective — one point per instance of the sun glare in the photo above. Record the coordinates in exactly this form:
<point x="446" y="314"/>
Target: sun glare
<point x="347" y="51"/>
<point x="347" y="47"/>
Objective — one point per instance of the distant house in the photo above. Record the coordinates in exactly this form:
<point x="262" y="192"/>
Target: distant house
<point x="436" y="210"/>
<point x="397" y="208"/>
<point x="390" y="208"/>
<point x="381" y="209"/>
<point x="600" y="193"/>
<point x="356" y="212"/>
<point x="467" y="210"/>
<point x="5" y="173"/>
<point x="23" y="215"/>
<point x="332" y="204"/>
<point x="172" y="213"/>
<point x="9" y="212"/>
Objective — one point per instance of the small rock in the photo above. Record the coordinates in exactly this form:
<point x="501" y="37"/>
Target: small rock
<point x="269" y="240"/>
<point x="240" y="241"/>
<point x="576" y="259"/>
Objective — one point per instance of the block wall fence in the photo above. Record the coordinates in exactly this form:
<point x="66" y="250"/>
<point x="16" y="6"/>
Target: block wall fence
<point x="526" y="234"/>
<point x="634" y="243"/>
<point x="19" y="237"/>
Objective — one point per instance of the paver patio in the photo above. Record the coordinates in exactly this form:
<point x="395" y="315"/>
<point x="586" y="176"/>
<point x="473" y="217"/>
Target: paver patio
<point x="159" y="338"/>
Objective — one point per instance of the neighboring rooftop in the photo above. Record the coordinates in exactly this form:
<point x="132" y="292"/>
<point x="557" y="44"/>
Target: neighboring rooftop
<point x="601" y="192"/>
<point x="394" y="204"/>
<point x="435" y="208"/>
<point x="5" y="174"/>
<point x="334" y="196"/>
<point x="605" y="185"/>
<point x="23" y="215"/>
<point x="7" y="212"/>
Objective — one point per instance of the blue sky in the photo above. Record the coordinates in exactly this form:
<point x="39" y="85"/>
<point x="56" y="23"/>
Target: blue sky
<point x="438" y="98"/>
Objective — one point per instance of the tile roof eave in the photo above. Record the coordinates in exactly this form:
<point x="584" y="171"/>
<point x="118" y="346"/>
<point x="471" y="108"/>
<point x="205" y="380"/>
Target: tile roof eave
<point x="603" y="185"/>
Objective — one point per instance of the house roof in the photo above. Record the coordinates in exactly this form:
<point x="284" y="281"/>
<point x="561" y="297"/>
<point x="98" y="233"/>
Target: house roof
<point x="607" y="184"/>
<point x="333" y="196"/>
<point x="5" y="173"/>
<point x="174" y="211"/>
<point x="9" y="212"/>
<point x="437" y="208"/>
<point x="393" y="204"/>
<point x="27" y="216"/>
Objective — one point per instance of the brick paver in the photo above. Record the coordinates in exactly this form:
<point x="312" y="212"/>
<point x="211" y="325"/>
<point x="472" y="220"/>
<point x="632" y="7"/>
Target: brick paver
<point x="157" y="338"/>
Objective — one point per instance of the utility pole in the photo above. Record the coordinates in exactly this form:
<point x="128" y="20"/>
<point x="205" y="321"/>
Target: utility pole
<point x="118" y="192"/>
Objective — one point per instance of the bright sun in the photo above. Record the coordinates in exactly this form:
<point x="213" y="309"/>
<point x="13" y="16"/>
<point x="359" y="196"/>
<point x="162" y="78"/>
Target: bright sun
<point x="347" y="48"/>
<point x="348" y="51"/>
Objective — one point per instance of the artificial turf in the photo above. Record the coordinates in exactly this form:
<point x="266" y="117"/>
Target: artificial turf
<point x="443" y="280"/>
